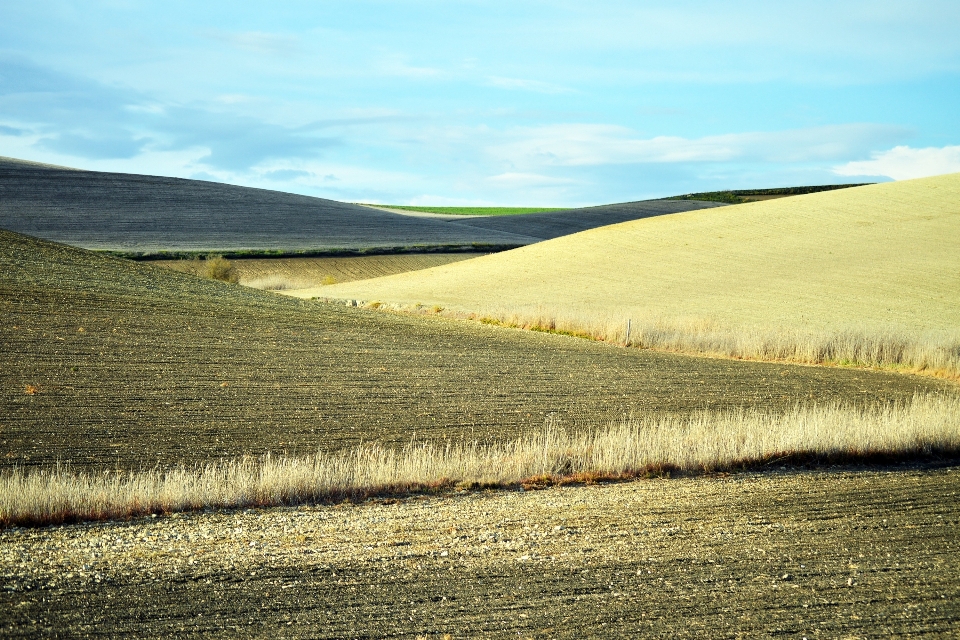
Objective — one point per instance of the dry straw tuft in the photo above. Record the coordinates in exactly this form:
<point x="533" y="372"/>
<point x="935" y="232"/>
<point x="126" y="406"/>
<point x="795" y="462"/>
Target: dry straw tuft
<point x="219" y="268"/>
<point x="708" y="441"/>
<point x="276" y="282"/>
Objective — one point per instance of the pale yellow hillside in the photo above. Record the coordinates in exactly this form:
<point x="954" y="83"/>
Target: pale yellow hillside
<point x="885" y="255"/>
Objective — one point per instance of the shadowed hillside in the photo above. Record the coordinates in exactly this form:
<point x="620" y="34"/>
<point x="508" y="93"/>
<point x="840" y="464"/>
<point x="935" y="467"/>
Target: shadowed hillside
<point x="139" y="214"/>
<point x="148" y="214"/>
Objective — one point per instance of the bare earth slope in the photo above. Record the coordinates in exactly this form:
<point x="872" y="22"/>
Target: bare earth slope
<point x="136" y="213"/>
<point x="882" y="255"/>
<point x="873" y="554"/>
<point x="553" y="224"/>
<point x="106" y="362"/>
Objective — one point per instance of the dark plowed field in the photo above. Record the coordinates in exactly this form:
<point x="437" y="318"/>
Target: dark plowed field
<point x="146" y="214"/>
<point x="106" y="361"/>
<point x="553" y="224"/>
<point x="819" y="555"/>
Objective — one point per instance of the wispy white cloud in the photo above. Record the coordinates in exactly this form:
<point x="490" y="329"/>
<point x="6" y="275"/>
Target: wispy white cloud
<point x="341" y="181"/>
<point x="235" y="98"/>
<point x="762" y="41"/>
<point x="398" y="66"/>
<point x="146" y="108"/>
<point x="601" y="144"/>
<point x="904" y="163"/>
<point x="261" y="42"/>
<point x="429" y="200"/>
<point x="516" y="180"/>
<point x="181" y="162"/>
<point x="520" y="84"/>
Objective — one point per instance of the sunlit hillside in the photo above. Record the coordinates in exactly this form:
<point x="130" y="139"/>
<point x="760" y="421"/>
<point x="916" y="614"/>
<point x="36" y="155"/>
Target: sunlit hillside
<point x="868" y="275"/>
<point x="886" y="253"/>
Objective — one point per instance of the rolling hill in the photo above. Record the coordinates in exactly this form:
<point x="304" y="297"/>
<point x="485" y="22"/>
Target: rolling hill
<point x="137" y="214"/>
<point x="109" y="362"/>
<point x="554" y="224"/>
<point x="882" y="257"/>
<point x="148" y="214"/>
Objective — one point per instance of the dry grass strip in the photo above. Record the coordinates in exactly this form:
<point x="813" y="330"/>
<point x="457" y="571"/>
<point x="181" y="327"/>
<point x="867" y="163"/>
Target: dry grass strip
<point x="280" y="282"/>
<point x="927" y="427"/>
<point x="933" y="352"/>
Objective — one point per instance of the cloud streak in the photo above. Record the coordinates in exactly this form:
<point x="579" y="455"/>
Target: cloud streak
<point x="516" y="180"/>
<point x="396" y="65"/>
<point x="260" y="42"/>
<point x="602" y="144"/>
<point x="86" y="119"/>
<point x="904" y="163"/>
<point x="496" y="102"/>
<point x="535" y="86"/>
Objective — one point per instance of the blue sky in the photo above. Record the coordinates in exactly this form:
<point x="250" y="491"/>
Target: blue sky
<point x="485" y="103"/>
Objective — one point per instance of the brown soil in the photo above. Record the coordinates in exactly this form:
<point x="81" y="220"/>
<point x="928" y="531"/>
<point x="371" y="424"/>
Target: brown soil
<point x="107" y="362"/>
<point x="868" y="554"/>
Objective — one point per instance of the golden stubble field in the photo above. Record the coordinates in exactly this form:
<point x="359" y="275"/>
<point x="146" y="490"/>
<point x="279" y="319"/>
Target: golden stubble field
<point x="879" y="254"/>
<point x="777" y="279"/>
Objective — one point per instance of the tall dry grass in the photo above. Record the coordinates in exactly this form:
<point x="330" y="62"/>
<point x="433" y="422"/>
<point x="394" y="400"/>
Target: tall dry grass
<point x="277" y="282"/>
<point x="927" y="426"/>
<point x="929" y="352"/>
<point x="932" y="352"/>
<point x="219" y="268"/>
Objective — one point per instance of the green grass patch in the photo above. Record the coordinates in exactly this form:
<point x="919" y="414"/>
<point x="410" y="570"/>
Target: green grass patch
<point x="473" y="211"/>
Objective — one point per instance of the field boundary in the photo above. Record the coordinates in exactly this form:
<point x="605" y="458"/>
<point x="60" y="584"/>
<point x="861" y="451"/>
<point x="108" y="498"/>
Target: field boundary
<point x="465" y="211"/>
<point x="936" y="356"/>
<point x="240" y="254"/>
<point x="741" y="196"/>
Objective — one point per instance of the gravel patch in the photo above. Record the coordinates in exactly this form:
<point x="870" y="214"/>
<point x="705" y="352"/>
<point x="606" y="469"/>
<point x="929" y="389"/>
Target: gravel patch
<point x="870" y="553"/>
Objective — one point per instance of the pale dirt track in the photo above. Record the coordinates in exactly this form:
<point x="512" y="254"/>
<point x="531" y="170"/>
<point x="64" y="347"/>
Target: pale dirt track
<point x="312" y="271"/>
<point x="827" y="554"/>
